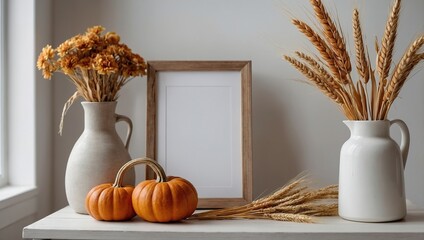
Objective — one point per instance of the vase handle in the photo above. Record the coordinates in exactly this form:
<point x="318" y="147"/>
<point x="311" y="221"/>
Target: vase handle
<point x="404" y="142"/>
<point x="128" y="121"/>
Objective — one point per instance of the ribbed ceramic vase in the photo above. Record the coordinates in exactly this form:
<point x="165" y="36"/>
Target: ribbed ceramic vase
<point x="97" y="154"/>
<point x="371" y="179"/>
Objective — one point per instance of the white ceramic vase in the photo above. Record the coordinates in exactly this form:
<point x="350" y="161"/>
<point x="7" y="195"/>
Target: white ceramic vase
<point x="98" y="153"/>
<point x="371" y="180"/>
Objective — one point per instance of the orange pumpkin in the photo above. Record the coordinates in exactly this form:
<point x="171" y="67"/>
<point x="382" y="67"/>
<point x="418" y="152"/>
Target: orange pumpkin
<point x="166" y="199"/>
<point x="111" y="202"/>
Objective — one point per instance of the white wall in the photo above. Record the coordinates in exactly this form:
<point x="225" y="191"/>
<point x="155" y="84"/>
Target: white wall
<point x="295" y="128"/>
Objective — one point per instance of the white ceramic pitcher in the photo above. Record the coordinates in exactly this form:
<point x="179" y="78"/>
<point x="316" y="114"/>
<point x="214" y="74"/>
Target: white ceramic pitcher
<point x="98" y="153"/>
<point x="371" y="180"/>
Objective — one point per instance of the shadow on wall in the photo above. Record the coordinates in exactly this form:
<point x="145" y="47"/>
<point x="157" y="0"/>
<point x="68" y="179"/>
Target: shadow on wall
<point x="272" y="136"/>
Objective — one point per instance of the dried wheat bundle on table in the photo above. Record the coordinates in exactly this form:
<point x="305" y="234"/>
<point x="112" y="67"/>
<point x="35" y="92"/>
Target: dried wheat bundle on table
<point x="370" y="97"/>
<point x="294" y="202"/>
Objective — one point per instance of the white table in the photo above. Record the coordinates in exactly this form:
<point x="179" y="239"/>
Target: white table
<point x="65" y="224"/>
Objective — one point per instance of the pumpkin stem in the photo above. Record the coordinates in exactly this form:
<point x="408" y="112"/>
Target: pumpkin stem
<point x="160" y="173"/>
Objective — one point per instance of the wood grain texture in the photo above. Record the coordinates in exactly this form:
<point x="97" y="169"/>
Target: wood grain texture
<point x="151" y="115"/>
<point x="244" y="67"/>
<point x="198" y="65"/>
<point x="246" y="88"/>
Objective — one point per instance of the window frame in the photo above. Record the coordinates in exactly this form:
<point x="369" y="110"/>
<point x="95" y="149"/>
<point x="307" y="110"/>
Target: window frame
<point x="28" y="194"/>
<point x="3" y="122"/>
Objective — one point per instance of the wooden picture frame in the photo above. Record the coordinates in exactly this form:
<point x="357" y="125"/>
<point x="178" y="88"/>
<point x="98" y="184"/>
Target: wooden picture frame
<point x="199" y="127"/>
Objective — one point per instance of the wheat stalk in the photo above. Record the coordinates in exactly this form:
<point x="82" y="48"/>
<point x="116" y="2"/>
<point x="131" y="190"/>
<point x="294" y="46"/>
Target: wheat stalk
<point x="333" y="36"/>
<point x="315" y="78"/>
<point x="409" y="60"/>
<point x="384" y="56"/>
<point x="319" y="69"/>
<point x="324" y="81"/>
<point x="66" y="108"/>
<point x="326" y="53"/>
<point x="337" y="83"/>
<point x="335" y="39"/>
<point x="361" y="61"/>
<point x="362" y="65"/>
<point x="294" y="202"/>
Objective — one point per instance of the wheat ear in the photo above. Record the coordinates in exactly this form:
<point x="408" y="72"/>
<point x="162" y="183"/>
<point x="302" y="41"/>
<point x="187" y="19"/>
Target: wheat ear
<point x="361" y="60"/>
<point x="376" y="46"/>
<point x="314" y="78"/>
<point x="326" y="53"/>
<point x="66" y="108"/>
<point x="384" y="56"/>
<point x="319" y="69"/>
<point x="409" y="60"/>
<point x="293" y="202"/>
<point x="333" y="36"/>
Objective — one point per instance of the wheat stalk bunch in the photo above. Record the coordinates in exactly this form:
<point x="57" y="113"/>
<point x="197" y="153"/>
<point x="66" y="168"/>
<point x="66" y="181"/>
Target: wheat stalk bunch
<point x="372" y="95"/>
<point x="294" y="202"/>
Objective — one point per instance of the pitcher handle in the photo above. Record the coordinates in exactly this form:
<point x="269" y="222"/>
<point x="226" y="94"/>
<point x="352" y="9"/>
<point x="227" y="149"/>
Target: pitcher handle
<point x="404" y="142"/>
<point x="128" y="121"/>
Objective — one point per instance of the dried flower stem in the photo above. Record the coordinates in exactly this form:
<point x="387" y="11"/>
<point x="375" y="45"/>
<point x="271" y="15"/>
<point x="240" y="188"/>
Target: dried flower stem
<point x="66" y="108"/>
<point x="98" y="65"/>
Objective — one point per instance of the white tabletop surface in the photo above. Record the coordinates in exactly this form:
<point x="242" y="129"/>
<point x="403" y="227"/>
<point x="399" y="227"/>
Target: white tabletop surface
<point x="65" y="224"/>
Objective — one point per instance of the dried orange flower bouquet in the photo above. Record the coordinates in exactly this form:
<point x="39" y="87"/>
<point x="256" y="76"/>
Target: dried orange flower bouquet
<point x="331" y="72"/>
<point x="98" y="65"/>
